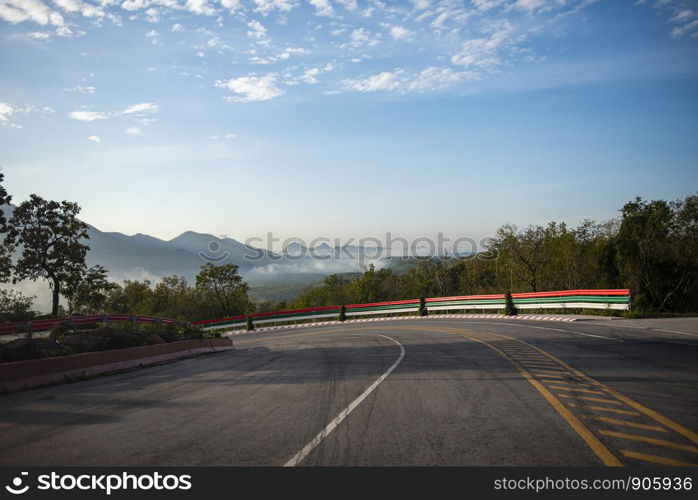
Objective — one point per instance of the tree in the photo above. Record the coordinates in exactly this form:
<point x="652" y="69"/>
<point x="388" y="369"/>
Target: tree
<point x="88" y="292"/>
<point x="14" y="306"/>
<point x="343" y="313"/>
<point x="7" y="244"/>
<point x="423" y="311"/>
<point x="51" y="237"/>
<point x="509" y="307"/>
<point x="224" y="288"/>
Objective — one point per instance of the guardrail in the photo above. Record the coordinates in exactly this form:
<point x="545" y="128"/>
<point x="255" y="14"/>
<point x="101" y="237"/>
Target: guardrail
<point x="615" y="299"/>
<point x="42" y="325"/>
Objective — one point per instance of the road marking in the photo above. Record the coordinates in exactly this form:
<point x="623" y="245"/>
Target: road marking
<point x="657" y="460"/>
<point x="588" y="398"/>
<point x="592" y="441"/>
<point x="675" y="331"/>
<point x="633" y="404"/>
<point x="603" y="408"/>
<point x="588" y="391"/>
<point x="554" y="372"/>
<point x="644" y="439"/>
<point x="616" y="421"/>
<point x="563" y="382"/>
<point x="308" y="448"/>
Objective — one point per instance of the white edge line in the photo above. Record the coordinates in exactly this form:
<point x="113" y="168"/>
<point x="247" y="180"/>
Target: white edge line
<point x="308" y="448"/>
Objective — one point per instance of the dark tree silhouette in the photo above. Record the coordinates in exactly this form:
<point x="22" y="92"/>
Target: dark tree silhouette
<point x="51" y="237"/>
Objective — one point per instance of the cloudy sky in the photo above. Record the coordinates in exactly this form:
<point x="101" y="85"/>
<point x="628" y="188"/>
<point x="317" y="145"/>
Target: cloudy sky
<point x="347" y="117"/>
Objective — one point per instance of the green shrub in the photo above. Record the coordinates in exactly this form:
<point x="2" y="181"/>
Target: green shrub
<point x="423" y="311"/>
<point x="509" y="307"/>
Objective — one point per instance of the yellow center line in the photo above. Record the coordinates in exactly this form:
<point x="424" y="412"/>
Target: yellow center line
<point x="603" y="408"/>
<point x="592" y="441"/>
<point x="538" y="364"/>
<point x="536" y="380"/>
<point x="575" y="383"/>
<point x="676" y="427"/>
<point x="588" y="398"/>
<point x="588" y="391"/>
<point x="657" y="460"/>
<point x="650" y="440"/>
<point x="551" y="371"/>
<point x="616" y="421"/>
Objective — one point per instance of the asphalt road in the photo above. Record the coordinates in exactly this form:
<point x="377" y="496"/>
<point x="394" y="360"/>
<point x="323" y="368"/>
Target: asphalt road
<point x="410" y="392"/>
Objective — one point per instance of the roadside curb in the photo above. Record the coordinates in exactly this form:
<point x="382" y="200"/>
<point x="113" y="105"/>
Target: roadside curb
<point x="18" y="375"/>
<point x="526" y="317"/>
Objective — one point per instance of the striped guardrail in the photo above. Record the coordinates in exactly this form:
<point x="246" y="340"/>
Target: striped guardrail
<point x="42" y="325"/>
<point x="616" y="299"/>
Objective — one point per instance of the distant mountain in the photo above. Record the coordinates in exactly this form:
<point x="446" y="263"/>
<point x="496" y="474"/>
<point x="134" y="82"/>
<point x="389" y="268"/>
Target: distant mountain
<point x="141" y="256"/>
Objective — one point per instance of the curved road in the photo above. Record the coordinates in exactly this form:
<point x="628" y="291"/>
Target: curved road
<point x="404" y="392"/>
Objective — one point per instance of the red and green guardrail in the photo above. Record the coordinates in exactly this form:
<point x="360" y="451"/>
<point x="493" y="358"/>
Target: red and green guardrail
<point x="618" y="299"/>
<point x="41" y="325"/>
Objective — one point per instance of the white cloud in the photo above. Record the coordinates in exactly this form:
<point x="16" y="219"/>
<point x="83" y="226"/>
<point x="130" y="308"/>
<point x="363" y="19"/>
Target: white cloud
<point x="133" y="131"/>
<point x="144" y="107"/>
<point x="680" y="31"/>
<point x="84" y="8"/>
<point x="264" y="7"/>
<point x="176" y="27"/>
<point x="231" y="5"/>
<point x="399" y="32"/>
<point x="39" y="35"/>
<point x="82" y="89"/>
<point x="88" y="116"/>
<point x="17" y="11"/>
<point x="6" y="110"/>
<point x="64" y="31"/>
<point x="433" y="78"/>
<point x="133" y="5"/>
<point x="485" y="5"/>
<point x="199" y="7"/>
<point x="350" y="5"/>
<point x="363" y="37"/>
<point x="94" y="138"/>
<point x="531" y="5"/>
<point x="484" y="52"/>
<point x="257" y="30"/>
<point x="136" y="110"/>
<point x="429" y="79"/>
<point x="322" y="7"/>
<point x="310" y="75"/>
<point x="252" y="88"/>
<point x="387" y="80"/>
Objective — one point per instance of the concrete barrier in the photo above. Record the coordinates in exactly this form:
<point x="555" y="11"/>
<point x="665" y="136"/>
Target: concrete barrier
<point x="17" y="375"/>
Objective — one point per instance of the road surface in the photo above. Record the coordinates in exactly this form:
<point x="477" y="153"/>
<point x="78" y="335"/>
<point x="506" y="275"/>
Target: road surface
<point x="404" y="392"/>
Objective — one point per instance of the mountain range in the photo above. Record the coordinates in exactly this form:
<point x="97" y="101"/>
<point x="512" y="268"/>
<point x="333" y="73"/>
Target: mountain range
<point x="141" y="256"/>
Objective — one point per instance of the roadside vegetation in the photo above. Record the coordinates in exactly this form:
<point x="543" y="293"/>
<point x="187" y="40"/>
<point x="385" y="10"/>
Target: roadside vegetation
<point x="651" y="248"/>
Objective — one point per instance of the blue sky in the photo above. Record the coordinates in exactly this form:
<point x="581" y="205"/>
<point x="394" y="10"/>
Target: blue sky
<point x="347" y="118"/>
